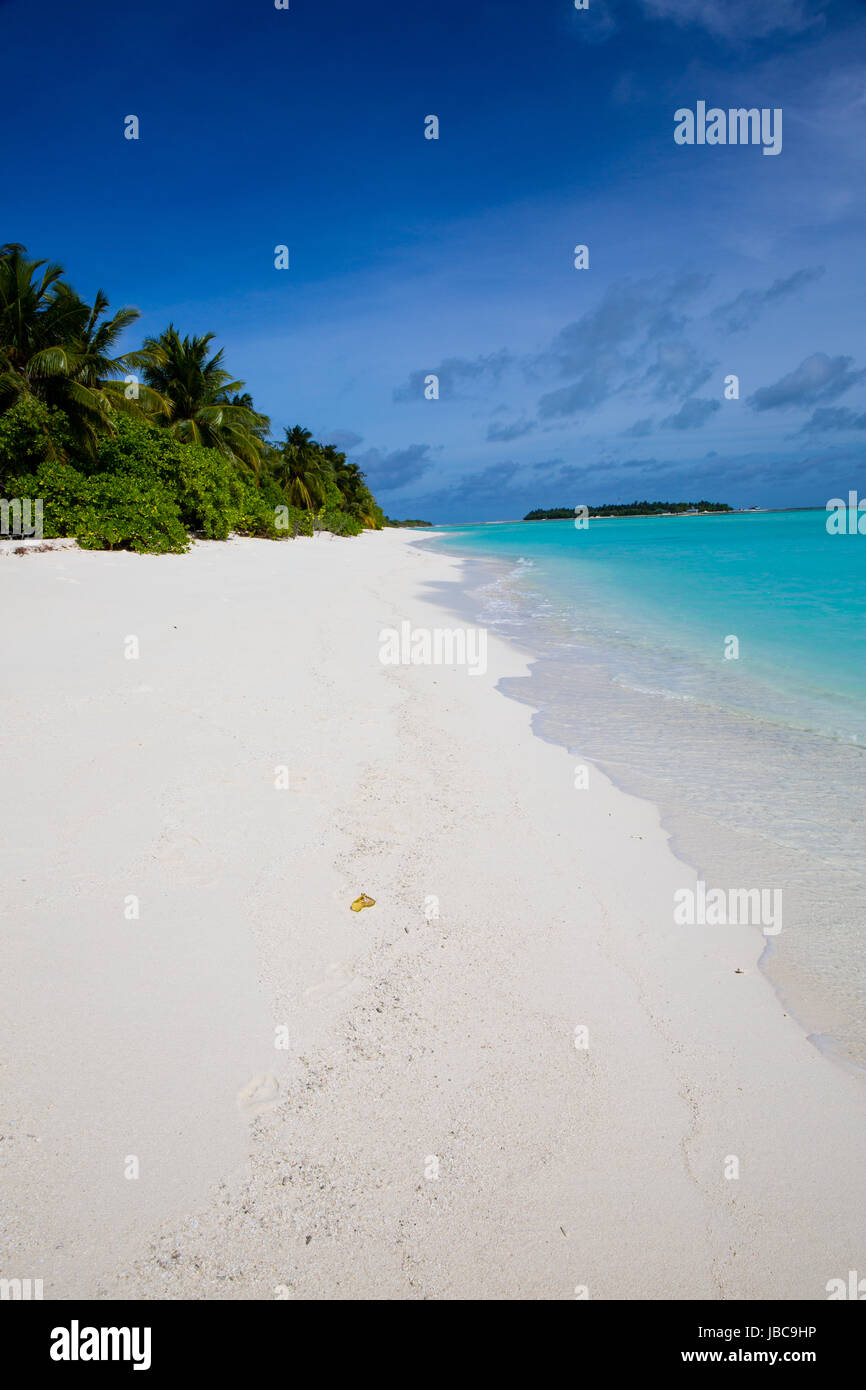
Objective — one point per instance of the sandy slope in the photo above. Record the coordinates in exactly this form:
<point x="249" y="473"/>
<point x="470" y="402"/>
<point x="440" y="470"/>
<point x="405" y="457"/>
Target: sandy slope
<point x="306" y="1171"/>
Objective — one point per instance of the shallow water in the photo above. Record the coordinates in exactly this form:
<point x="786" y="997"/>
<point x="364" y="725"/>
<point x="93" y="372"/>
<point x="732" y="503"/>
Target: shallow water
<point x="756" y="761"/>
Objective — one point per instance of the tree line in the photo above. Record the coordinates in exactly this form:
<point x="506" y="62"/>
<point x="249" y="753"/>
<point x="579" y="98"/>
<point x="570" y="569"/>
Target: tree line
<point x="626" y="509"/>
<point x="140" y="448"/>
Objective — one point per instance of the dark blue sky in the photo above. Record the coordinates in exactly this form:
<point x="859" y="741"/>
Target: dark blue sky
<point x="455" y="257"/>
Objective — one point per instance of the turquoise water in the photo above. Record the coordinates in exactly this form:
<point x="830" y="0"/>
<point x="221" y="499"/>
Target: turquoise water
<point x="756" y="760"/>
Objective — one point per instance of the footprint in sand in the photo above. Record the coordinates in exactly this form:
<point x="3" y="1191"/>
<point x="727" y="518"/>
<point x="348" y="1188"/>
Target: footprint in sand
<point x="260" y="1094"/>
<point x="338" y="978"/>
<point x="174" y="849"/>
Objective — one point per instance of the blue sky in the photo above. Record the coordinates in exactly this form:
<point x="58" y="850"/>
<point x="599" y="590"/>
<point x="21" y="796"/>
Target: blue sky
<point x="409" y="256"/>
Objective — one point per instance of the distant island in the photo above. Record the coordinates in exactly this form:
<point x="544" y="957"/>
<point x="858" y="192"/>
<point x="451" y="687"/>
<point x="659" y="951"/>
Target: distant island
<point x="390" y="522"/>
<point x="627" y="509"/>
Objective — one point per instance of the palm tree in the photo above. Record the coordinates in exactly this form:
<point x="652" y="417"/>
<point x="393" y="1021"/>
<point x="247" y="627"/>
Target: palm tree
<point x="302" y="469"/>
<point x="53" y="346"/>
<point x="358" y="500"/>
<point x="198" y="400"/>
<point x="96" y="367"/>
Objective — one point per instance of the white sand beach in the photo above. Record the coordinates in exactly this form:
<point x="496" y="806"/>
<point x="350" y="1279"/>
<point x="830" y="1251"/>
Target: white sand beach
<point x="430" y="1130"/>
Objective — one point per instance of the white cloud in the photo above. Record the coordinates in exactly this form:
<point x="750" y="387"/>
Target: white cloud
<point x="740" y="19"/>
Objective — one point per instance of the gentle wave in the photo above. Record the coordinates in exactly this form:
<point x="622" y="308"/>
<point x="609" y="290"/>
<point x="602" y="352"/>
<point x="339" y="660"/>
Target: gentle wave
<point x="755" y="763"/>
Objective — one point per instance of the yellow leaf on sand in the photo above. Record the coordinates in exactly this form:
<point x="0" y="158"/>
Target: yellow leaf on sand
<point x="362" y="902"/>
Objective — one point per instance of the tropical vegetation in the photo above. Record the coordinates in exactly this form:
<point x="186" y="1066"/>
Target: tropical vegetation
<point x="145" y="448"/>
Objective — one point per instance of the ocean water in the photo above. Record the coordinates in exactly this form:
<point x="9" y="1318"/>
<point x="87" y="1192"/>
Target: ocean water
<point x="757" y="761"/>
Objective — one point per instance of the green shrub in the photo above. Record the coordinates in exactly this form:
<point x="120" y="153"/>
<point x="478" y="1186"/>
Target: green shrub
<point x="144" y="490"/>
<point x="103" y="512"/>
<point x="293" y="522"/>
<point x="30" y="434"/>
<point x="207" y="488"/>
<point x="119" y="516"/>
<point x="214" y="496"/>
<point x="340" y="522"/>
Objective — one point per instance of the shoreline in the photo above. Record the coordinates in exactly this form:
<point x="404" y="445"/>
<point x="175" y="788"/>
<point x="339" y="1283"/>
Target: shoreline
<point x="487" y="592"/>
<point x="827" y="1044"/>
<point x="411" y="1037"/>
